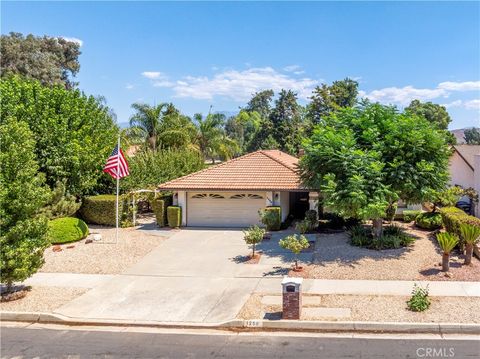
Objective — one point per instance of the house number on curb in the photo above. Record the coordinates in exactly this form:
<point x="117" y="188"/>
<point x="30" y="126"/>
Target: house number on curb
<point x="252" y="323"/>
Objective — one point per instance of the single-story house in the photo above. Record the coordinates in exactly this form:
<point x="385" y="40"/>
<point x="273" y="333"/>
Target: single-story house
<point x="230" y="194"/>
<point x="464" y="167"/>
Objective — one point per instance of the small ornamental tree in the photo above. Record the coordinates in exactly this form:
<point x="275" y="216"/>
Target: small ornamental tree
<point x="23" y="234"/>
<point x="470" y="236"/>
<point x="447" y="241"/>
<point x="295" y="243"/>
<point x="364" y="159"/>
<point x="253" y="236"/>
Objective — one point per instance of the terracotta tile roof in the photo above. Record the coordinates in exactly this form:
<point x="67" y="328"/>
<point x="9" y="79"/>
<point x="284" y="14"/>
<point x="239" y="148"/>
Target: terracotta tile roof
<point x="260" y="170"/>
<point x="468" y="152"/>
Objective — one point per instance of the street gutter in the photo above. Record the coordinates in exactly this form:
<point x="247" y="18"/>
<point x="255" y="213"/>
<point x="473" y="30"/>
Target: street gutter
<point x="255" y="325"/>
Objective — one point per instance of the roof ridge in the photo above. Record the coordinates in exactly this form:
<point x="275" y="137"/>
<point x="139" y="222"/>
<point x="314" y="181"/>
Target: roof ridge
<point x="210" y="168"/>
<point x="277" y="159"/>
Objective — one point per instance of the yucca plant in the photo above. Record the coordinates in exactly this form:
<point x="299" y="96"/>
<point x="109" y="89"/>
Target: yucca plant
<point x="470" y="235"/>
<point x="447" y="242"/>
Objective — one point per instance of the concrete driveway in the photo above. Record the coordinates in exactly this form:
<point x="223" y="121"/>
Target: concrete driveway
<point x="196" y="275"/>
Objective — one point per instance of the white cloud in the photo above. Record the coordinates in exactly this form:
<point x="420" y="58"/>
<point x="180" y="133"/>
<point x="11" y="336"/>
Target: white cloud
<point x="456" y="103"/>
<point x="129" y="86"/>
<point x="163" y="83"/>
<point x="72" y="39"/>
<point x="153" y="75"/>
<point x="403" y="95"/>
<point x="460" y="86"/>
<point x="240" y="85"/>
<point x="473" y="104"/>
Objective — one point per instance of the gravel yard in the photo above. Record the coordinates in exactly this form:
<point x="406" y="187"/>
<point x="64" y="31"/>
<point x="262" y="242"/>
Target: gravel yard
<point x="102" y="257"/>
<point x="335" y="258"/>
<point x="380" y="309"/>
<point x="42" y="299"/>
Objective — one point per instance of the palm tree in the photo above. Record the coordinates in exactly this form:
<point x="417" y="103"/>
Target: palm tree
<point x="447" y="242"/>
<point x="146" y="122"/>
<point x="160" y="126"/>
<point x="470" y="235"/>
<point x="210" y="138"/>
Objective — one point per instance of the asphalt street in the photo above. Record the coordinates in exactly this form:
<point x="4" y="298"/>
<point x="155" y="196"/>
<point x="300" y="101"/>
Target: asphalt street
<point x="66" y="343"/>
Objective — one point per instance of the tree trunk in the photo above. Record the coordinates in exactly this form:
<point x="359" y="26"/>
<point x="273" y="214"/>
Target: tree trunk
<point x="445" y="262"/>
<point x="377" y="227"/>
<point x="468" y="253"/>
<point x="253" y="252"/>
<point x="296" y="263"/>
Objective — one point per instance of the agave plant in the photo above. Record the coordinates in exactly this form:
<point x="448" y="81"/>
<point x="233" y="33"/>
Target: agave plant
<point x="447" y="242"/>
<point x="470" y="235"/>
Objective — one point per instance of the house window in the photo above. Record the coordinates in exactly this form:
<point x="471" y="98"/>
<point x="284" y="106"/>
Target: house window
<point x="200" y="195"/>
<point x="216" y="196"/>
<point x="246" y="196"/>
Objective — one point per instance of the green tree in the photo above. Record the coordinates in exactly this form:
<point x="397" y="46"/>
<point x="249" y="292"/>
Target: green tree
<point x="253" y="236"/>
<point x="446" y="241"/>
<point x="150" y="168"/>
<point x="74" y="133"/>
<point x="362" y="159"/>
<point x="261" y="102"/>
<point x="286" y="122"/>
<point x="23" y="234"/>
<point x="470" y="236"/>
<point x="243" y="128"/>
<point x="472" y="136"/>
<point x="146" y="122"/>
<point x="51" y="60"/>
<point x="296" y="244"/>
<point x="327" y="99"/>
<point x="210" y="138"/>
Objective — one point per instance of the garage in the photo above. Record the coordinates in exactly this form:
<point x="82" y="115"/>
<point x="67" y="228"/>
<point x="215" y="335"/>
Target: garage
<point x="224" y="209"/>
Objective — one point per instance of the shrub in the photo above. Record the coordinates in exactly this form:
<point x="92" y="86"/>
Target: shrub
<point x="311" y="215"/>
<point x="60" y="204"/>
<point x="174" y="216"/>
<point x="429" y="220"/>
<point x="303" y="226"/>
<point x="419" y="300"/>
<point x="253" y="236"/>
<point x="453" y="218"/>
<point x="410" y="215"/>
<point x="66" y="230"/>
<point x="393" y="237"/>
<point x="159" y="207"/>
<point x="295" y="243"/>
<point x="390" y="212"/>
<point x="271" y="217"/>
<point x="100" y="209"/>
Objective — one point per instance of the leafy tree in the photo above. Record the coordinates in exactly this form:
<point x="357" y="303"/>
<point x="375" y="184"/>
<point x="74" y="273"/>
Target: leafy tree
<point x="150" y="168"/>
<point x="243" y="128"/>
<point x="287" y="122"/>
<point x="210" y="138"/>
<point x="432" y="112"/>
<point x="261" y="102"/>
<point x="363" y="159"/>
<point x="23" y="235"/>
<point x="73" y="133"/>
<point x="51" y="60"/>
<point x="327" y="99"/>
<point x="253" y="236"/>
<point x="472" y="136"/>
<point x="295" y="243"/>
<point x="146" y="121"/>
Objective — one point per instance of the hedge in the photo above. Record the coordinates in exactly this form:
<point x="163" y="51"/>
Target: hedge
<point x="271" y="217"/>
<point x="159" y="207"/>
<point x="66" y="230"/>
<point x="429" y="220"/>
<point x="453" y="217"/>
<point x="410" y="215"/>
<point x="174" y="215"/>
<point x="101" y="210"/>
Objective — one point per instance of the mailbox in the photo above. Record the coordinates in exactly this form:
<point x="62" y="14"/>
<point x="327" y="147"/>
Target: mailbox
<point x="291" y="298"/>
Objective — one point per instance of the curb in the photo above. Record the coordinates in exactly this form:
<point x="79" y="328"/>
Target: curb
<point x="255" y="325"/>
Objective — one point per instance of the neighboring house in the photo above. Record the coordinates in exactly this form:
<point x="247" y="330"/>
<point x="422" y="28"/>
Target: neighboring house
<point x="231" y="194"/>
<point x="464" y="167"/>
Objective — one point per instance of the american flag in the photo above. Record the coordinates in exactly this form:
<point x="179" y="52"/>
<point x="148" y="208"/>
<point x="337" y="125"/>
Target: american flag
<point x="114" y="162"/>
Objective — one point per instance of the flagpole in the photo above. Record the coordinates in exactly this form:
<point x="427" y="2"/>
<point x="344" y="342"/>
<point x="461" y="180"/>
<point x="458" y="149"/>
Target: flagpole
<point x="118" y="187"/>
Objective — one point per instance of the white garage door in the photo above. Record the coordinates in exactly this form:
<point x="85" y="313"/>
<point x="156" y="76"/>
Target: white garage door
<point x="224" y="209"/>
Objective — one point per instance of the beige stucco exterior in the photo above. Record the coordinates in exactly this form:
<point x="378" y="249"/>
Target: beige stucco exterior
<point x="461" y="174"/>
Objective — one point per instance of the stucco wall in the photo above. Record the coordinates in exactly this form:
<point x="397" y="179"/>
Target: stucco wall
<point x="284" y="204"/>
<point x="460" y="173"/>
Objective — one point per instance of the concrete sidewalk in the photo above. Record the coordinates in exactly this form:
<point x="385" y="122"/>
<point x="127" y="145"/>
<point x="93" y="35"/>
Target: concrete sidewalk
<point x="272" y="284"/>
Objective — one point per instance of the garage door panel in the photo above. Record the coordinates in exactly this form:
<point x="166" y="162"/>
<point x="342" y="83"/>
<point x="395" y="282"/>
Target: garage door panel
<point x="220" y="210"/>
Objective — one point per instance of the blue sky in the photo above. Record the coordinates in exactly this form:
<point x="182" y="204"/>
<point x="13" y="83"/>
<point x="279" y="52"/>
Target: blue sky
<point x="218" y="53"/>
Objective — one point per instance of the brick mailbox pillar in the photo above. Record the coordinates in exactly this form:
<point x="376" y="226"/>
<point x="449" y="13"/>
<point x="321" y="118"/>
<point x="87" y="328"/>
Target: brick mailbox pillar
<point x="291" y="298"/>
